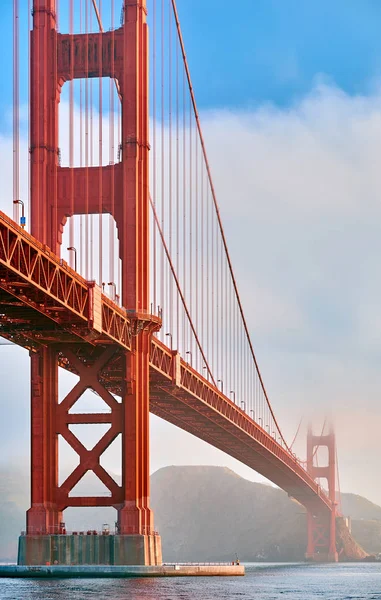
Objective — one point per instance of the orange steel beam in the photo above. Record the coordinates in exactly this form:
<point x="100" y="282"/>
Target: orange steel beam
<point x="182" y="396"/>
<point x="64" y="320"/>
<point x="178" y="393"/>
<point x="33" y="278"/>
<point x="56" y="194"/>
<point x="88" y="459"/>
<point x="322" y="532"/>
<point x="135" y="516"/>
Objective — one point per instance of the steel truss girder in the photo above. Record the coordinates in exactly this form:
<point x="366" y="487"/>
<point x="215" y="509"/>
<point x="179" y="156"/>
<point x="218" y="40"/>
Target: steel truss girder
<point x="174" y="378"/>
<point x="180" y="395"/>
<point x="20" y="254"/>
<point x="32" y="277"/>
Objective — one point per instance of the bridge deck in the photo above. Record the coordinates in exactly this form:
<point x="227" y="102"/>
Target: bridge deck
<point x="43" y="301"/>
<point x="180" y="395"/>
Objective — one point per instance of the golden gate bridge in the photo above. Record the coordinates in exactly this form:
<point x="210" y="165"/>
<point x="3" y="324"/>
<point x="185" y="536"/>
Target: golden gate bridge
<point x="116" y="268"/>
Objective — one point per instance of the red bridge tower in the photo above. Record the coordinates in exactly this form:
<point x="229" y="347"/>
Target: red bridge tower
<point x="56" y="194"/>
<point x="322" y="528"/>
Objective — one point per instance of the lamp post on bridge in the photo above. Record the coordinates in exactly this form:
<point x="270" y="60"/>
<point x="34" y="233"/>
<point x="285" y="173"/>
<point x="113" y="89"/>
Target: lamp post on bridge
<point x="72" y="249"/>
<point x="243" y="405"/>
<point x="170" y="336"/>
<point x="222" y="384"/>
<point x="112" y="284"/>
<point x="190" y="356"/>
<point x="22" y="219"/>
<point x="207" y="371"/>
<point x="233" y="392"/>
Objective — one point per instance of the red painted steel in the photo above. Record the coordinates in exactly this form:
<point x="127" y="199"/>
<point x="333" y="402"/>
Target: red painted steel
<point x="215" y="203"/>
<point x="89" y="378"/>
<point x="44" y="516"/>
<point x="58" y="193"/>
<point x="43" y="300"/>
<point x="64" y="320"/>
<point x="322" y="527"/>
<point x="183" y="397"/>
<point x="178" y="393"/>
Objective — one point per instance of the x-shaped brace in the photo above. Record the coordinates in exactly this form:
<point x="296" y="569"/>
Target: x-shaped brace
<point x="89" y="460"/>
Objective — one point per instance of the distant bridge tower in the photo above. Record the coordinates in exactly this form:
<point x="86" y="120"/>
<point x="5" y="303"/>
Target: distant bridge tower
<point x="56" y="194"/>
<point x="321" y="544"/>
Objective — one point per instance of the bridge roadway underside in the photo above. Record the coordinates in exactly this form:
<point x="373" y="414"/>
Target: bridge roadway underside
<point x="252" y="446"/>
<point x="226" y="427"/>
<point x="43" y="302"/>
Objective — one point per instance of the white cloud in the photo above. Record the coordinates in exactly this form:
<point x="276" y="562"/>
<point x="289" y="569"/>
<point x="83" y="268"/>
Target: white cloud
<point x="299" y="191"/>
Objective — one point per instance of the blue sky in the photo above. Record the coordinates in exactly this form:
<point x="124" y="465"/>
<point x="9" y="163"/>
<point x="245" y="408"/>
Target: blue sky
<point x="272" y="50"/>
<point x="259" y="51"/>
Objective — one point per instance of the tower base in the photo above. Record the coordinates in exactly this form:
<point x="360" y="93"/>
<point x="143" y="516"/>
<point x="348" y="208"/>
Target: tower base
<point x="90" y="550"/>
<point x="323" y="557"/>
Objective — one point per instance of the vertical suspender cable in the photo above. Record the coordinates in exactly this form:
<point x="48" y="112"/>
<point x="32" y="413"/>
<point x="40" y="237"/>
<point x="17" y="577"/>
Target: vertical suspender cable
<point x="238" y="300"/>
<point x="202" y="250"/>
<point x="225" y="317"/>
<point x="100" y="161"/>
<point x="183" y="300"/>
<point x="29" y="26"/>
<point x="185" y="341"/>
<point x="208" y="282"/>
<point x="91" y="104"/>
<point x="177" y="195"/>
<point x="221" y="323"/>
<point x="56" y="151"/>
<point x="196" y="279"/>
<point x="170" y="209"/>
<point x="189" y="218"/>
<point x="91" y="217"/>
<point x="162" y="273"/>
<point x="111" y="157"/>
<point x="16" y="112"/>
<point x="212" y="290"/>
<point x="86" y="240"/>
<point x="154" y="166"/>
<point x="71" y="136"/>
<point x="81" y="221"/>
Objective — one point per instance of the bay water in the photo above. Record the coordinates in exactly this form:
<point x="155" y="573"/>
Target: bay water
<point x="360" y="581"/>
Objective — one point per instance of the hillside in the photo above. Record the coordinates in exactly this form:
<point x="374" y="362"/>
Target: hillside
<point x="228" y="514"/>
<point x="203" y="513"/>
<point x="360" y="508"/>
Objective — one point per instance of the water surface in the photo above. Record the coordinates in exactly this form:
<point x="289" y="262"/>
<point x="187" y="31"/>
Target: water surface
<point x="262" y="582"/>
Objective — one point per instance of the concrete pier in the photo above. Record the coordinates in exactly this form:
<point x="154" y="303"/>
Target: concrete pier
<point x="109" y="571"/>
<point x="89" y="549"/>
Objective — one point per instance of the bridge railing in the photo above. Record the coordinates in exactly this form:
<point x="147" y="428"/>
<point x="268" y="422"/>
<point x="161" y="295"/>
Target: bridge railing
<point x="181" y="381"/>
